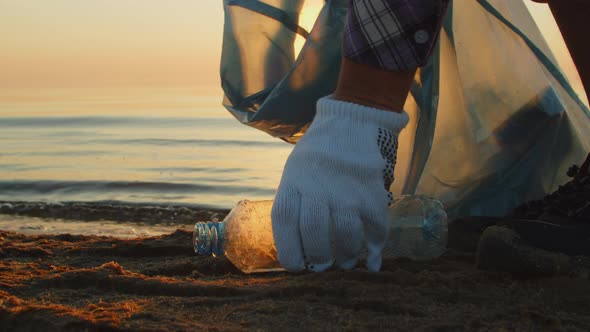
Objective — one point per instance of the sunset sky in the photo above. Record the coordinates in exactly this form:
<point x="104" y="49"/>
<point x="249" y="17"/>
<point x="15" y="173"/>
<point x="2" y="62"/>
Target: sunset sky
<point x="73" y="43"/>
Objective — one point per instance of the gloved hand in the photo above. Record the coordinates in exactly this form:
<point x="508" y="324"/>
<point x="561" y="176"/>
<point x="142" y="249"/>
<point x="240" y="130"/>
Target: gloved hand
<point x="335" y="188"/>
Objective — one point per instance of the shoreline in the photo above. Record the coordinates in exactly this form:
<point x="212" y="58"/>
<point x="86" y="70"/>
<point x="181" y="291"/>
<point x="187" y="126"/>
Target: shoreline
<point x="160" y="214"/>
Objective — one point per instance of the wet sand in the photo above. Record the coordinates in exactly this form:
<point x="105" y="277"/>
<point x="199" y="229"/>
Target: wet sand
<point x="74" y="283"/>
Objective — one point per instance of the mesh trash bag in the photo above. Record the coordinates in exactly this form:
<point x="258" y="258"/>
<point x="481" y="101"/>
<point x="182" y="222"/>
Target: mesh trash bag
<point x="494" y="122"/>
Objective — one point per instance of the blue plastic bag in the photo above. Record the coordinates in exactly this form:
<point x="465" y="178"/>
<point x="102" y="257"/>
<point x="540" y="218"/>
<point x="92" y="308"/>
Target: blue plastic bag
<point x="494" y="123"/>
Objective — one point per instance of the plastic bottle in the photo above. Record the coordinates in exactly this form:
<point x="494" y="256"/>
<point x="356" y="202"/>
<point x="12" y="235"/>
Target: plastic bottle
<point x="418" y="231"/>
<point x="244" y="236"/>
<point x="419" y="228"/>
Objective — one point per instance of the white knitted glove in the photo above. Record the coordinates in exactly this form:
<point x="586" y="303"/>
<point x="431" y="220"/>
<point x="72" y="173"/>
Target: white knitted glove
<point x="335" y="188"/>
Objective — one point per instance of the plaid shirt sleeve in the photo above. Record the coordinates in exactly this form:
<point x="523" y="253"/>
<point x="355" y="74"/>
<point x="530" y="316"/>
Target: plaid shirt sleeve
<point x="393" y="34"/>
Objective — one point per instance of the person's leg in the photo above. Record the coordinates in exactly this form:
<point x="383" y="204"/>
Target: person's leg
<point x="572" y="17"/>
<point x="335" y="185"/>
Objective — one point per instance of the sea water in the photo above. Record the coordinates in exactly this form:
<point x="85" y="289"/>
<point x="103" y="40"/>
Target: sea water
<point x="144" y="145"/>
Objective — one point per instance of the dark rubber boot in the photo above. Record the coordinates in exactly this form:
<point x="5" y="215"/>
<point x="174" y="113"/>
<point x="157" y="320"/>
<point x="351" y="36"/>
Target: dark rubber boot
<point x="502" y="249"/>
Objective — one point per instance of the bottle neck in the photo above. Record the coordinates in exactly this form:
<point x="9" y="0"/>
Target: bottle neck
<point x="208" y="238"/>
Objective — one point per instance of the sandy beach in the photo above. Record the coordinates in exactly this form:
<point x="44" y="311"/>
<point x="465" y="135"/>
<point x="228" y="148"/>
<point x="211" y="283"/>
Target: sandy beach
<point x="74" y="283"/>
<point x="121" y="126"/>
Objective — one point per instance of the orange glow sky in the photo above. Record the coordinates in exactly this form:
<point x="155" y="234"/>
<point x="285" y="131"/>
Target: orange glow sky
<point x="110" y="43"/>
